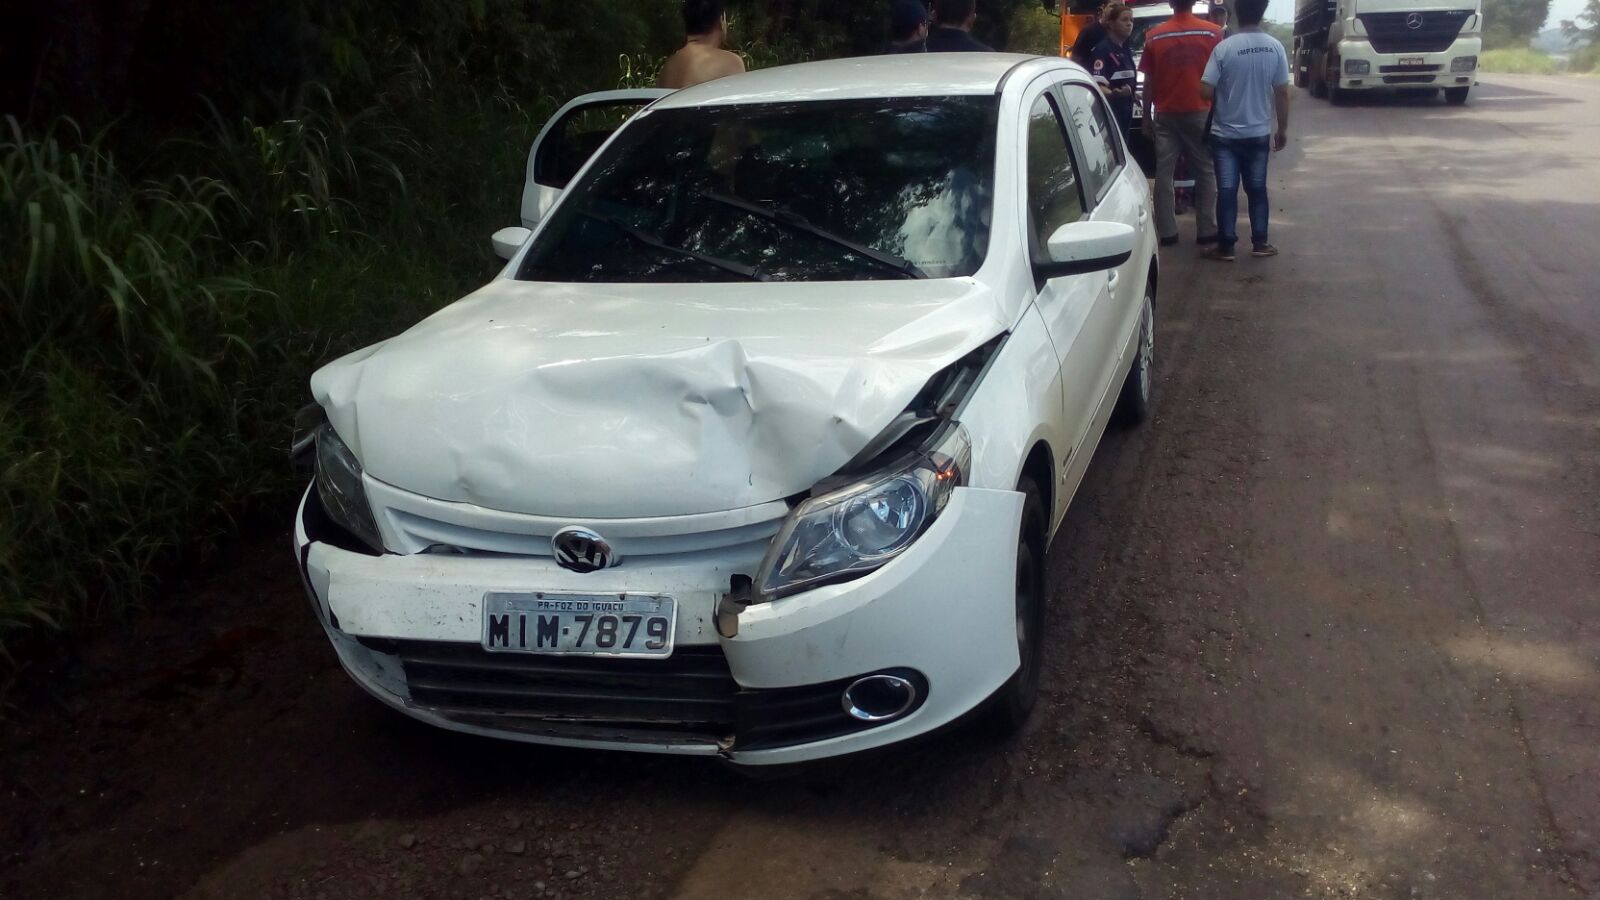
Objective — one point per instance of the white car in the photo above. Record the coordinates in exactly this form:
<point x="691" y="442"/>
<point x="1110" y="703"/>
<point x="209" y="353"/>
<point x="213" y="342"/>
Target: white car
<point x="755" y="446"/>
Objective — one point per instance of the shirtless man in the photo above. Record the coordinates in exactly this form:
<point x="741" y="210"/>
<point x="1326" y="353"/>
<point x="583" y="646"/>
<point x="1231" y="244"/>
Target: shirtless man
<point x="702" y="57"/>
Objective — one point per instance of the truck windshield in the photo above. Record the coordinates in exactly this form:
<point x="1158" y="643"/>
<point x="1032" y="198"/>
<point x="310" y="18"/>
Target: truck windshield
<point x="814" y="191"/>
<point x="1143" y="22"/>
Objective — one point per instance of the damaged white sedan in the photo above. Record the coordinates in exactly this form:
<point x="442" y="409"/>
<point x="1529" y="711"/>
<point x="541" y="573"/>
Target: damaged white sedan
<point x="755" y="446"/>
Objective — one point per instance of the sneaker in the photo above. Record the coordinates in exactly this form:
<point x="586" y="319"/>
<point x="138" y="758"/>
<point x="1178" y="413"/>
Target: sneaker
<point x="1169" y="241"/>
<point x="1208" y="239"/>
<point x="1264" y="250"/>
<point x="1217" y="253"/>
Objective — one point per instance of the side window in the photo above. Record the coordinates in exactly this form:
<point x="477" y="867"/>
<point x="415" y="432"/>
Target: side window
<point x="576" y="138"/>
<point x="1096" y="132"/>
<point x="1054" y="195"/>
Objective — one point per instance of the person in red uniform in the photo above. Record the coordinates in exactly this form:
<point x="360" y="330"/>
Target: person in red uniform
<point x="1175" y="55"/>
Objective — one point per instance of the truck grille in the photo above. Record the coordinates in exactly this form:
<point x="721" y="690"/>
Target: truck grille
<point x="1434" y="31"/>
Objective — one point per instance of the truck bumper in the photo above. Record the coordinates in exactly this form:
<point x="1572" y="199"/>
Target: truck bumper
<point x="1363" y="68"/>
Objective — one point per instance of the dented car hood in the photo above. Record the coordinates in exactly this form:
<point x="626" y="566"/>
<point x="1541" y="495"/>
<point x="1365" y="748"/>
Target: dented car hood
<point x="620" y="401"/>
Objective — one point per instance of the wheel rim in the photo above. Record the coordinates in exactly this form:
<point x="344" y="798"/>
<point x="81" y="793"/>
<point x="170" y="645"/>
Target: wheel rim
<point x="1147" y="349"/>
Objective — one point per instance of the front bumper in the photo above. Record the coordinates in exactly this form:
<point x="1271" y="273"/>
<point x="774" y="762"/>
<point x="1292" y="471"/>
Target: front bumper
<point x="1407" y="70"/>
<point x="404" y="626"/>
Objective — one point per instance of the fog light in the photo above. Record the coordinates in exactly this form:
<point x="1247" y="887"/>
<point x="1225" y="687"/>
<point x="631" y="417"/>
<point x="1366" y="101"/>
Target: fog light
<point x="879" y="698"/>
<point x="1464" y="64"/>
<point x="1357" y="67"/>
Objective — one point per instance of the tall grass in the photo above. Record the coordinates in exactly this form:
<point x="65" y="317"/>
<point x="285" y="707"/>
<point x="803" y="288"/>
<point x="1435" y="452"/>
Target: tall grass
<point x="1518" y="61"/>
<point x="156" y="333"/>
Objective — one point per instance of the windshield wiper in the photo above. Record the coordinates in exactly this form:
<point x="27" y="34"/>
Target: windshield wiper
<point x="800" y="223"/>
<point x="650" y="240"/>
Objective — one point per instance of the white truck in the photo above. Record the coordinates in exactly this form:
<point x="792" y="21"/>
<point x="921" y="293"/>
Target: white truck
<point x="1343" y="46"/>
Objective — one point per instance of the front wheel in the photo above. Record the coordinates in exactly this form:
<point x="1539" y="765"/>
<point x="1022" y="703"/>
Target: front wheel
<point x="1456" y="96"/>
<point x="1015" y="700"/>
<point x="1338" y="96"/>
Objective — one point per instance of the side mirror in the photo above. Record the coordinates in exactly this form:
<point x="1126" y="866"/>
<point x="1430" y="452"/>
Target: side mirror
<point x="1080" y="247"/>
<point x="507" y="241"/>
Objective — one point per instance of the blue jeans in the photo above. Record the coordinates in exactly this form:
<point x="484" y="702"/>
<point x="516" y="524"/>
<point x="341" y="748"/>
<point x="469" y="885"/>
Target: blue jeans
<point x="1232" y="158"/>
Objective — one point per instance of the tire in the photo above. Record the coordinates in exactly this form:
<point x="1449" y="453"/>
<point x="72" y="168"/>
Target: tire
<point x="1300" y="79"/>
<point x="1013" y="703"/>
<point x="1133" y="404"/>
<point x="1318" y="74"/>
<point x="1456" y="96"/>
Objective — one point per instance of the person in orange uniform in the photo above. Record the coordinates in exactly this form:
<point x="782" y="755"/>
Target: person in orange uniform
<point x="1175" y="56"/>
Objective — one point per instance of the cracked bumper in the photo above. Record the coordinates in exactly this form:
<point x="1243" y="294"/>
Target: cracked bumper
<point x="945" y="609"/>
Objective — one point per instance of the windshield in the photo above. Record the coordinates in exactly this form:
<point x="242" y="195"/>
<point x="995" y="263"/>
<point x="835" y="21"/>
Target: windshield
<point x="817" y="191"/>
<point x="1141" y="25"/>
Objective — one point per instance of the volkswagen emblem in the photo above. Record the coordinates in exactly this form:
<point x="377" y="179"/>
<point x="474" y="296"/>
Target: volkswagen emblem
<point x="1414" y="21"/>
<point x="579" y="549"/>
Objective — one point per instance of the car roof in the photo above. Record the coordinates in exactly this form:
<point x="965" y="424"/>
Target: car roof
<point x="861" y="78"/>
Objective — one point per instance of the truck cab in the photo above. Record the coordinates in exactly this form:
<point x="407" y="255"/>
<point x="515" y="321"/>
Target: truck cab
<point x="1344" y="46"/>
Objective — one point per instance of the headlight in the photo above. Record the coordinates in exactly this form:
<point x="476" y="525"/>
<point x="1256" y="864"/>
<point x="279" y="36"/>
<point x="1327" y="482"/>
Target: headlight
<point x="852" y="530"/>
<point x="1464" y="64"/>
<point x="1357" y="67"/>
<point x="339" y="486"/>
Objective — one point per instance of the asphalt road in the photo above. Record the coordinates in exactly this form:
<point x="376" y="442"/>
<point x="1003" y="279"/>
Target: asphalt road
<point x="1324" y="627"/>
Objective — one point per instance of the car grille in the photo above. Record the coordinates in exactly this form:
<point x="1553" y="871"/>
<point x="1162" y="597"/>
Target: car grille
<point x="687" y="698"/>
<point x="1391" y="32"/>
<point x="687" y="695"/>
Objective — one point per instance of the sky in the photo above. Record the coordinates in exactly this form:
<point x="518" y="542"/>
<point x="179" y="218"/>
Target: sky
<point x="1283" y="11"/>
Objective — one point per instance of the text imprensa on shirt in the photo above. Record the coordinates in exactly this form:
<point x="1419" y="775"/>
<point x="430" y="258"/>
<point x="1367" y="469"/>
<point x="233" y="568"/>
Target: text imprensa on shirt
<point x="1244" y="70"/>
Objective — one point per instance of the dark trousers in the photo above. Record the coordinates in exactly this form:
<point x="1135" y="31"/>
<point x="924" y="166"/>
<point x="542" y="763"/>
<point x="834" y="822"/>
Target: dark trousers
<point x="1235" y="159"/>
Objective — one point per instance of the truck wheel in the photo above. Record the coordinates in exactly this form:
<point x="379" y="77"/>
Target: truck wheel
<point x="1011" y="705"/>
<point x="1318" y="74"/>
<point x="1456" y="96"/>
<point x="1300" y="79"/>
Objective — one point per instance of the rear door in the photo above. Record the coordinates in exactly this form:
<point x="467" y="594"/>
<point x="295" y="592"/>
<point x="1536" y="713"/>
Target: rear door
<point x="567" y="141"/>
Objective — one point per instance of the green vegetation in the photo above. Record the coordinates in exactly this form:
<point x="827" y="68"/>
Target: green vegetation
<point x="1524" y="61"/>
<point x="1518" y="61"/>
<point x="1510" y="24"/>
<point x="159" y="330"/>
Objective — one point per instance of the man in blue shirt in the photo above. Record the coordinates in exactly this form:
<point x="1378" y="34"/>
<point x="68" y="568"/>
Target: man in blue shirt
<point x="1247" y="82"/>
<point x="954" y="34"/>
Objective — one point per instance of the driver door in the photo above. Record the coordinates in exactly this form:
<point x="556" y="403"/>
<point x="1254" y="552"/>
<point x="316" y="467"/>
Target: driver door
<point x="570" y="138"/>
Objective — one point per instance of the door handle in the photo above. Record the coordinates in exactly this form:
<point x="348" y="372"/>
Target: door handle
<point x="1111" y="281"/>
<point x="1143" y="214"/>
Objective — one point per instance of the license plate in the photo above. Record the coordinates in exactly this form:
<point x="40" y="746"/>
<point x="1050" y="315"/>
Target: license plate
<point x="1413" y="60"/>
<point x="579" y="624"/>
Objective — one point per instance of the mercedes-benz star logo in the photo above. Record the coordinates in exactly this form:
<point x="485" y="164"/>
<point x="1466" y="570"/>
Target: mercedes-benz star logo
<point x="1414" y="21"/>
<point x="582" y="550"/>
